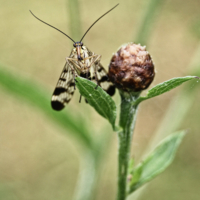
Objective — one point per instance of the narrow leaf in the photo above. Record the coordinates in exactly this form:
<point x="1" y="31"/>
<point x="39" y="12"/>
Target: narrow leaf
<point x="131" y="166"/>
<point x="37" y="96"/>
<point x="136" y="177"/>
<point x="157" y="161"/>
<point x="164" y="87"/>
<point x="98" y="99"/>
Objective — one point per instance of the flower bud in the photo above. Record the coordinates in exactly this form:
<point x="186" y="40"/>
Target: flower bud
<point x="131" y="68"/>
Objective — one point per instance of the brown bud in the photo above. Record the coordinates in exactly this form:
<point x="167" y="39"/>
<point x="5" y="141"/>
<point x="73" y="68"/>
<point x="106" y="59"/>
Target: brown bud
<point x="131" y="68"/>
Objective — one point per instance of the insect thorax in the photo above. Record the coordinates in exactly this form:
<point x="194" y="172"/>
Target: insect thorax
<point x="85" y="63"/>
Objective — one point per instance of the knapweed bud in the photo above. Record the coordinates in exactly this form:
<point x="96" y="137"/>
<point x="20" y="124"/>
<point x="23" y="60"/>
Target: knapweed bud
<point x="131" y="68"/>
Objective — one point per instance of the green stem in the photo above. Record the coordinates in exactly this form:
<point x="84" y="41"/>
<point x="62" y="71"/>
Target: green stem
<point x="75" y="19"/>
<point x="127" y="122"/>
<point x="87" y="178"/>
<point x="90" y="165"/>
<point x="147" y="21"/>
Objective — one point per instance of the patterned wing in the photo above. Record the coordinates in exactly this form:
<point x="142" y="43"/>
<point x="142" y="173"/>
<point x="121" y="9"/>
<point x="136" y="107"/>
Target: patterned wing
<point x="64" y="89"/>
<point x="102" y="75"/>
<point x="103" y="80"/>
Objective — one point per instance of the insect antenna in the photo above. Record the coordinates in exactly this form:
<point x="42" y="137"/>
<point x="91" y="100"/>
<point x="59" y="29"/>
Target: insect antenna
<point x="52" y="27"/>
<point x="97" y="21"/>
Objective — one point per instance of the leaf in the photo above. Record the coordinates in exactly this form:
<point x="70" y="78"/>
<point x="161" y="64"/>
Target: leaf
<point x="136" y="177"/>
<point x="37" y="96"/>
<point x="164" y="87"/>
<point x="131" y="166"/>
<point x="157" y="161"/>
<point x="98" y="99"/>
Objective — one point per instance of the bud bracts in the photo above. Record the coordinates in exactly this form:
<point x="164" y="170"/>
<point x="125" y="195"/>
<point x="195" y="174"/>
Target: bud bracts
<point x="131" y="68"/>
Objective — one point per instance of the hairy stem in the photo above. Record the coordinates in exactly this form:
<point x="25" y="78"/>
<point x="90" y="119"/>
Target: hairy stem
<point x="127" y="123"/>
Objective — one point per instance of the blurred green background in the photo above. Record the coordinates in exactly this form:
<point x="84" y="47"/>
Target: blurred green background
<point x="40" y="159"/>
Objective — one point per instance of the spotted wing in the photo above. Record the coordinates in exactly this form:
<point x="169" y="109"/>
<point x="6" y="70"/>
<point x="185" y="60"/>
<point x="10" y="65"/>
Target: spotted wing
<point x="64" y="89"/>
<point x="103" y="80"/>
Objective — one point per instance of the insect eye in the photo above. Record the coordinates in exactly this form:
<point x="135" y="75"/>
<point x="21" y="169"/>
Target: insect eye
<point x="81" y="44"/>
<point x="74" y="45"/>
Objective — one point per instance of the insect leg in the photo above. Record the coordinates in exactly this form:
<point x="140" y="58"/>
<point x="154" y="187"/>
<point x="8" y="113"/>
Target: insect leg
<point x="80" y="99"/>
<point x="73" y="71"/>
<point x="95" y="60"/>
<point x="74" y="66"/>
<point x="95" y="70"/>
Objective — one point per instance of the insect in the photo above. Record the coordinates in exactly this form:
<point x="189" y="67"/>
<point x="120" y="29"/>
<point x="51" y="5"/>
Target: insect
<point x="81" y="62"/>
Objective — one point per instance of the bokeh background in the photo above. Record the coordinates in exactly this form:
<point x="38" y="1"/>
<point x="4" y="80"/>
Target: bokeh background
<point x="39" y="159"/>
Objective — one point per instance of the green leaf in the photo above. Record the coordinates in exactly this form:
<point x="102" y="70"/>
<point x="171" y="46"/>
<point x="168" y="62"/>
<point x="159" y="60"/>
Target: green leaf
<point x="37" y="96"/>
<point x="164" y="87"/>
<point x="135" y="177"/>
<point x="131" y="166"/>
<point x="98" y="99"/>
<point x="157" y="161"/>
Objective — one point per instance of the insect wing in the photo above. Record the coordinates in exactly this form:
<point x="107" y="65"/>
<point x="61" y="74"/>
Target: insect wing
<point x="102" y="75"/>
<point x="64" y="88"/>
<point x="103" y="80"/>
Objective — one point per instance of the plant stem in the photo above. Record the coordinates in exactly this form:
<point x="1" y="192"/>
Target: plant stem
<point x="127" y="122"/>
<point x="75" y="19"/>
<point x="147" y="22"/>
<point x="87" y="178"/>
<point x="90" y="165"/>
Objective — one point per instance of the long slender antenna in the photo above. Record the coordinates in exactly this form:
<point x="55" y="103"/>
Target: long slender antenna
<point x="97" y="21"/>
<point x="53" y="27"/>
